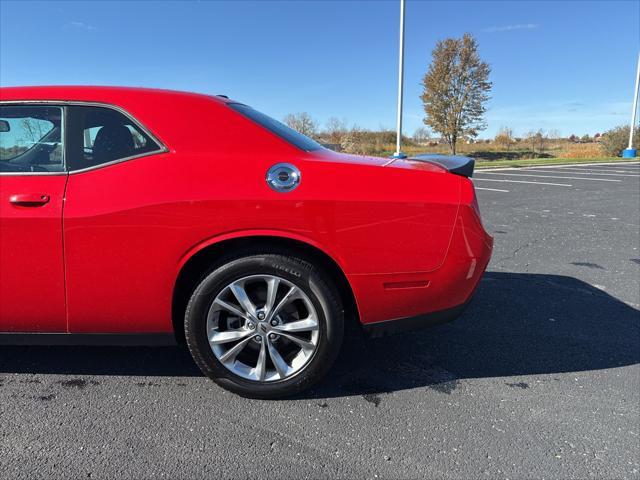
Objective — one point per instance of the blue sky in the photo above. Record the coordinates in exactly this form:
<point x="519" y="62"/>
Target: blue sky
<point x="568" y="66"/>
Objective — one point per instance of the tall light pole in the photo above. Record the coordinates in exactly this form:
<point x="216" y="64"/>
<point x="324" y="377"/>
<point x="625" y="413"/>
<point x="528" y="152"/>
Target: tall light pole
<point x="630" y="152"/>
<point x="398" y="153"/>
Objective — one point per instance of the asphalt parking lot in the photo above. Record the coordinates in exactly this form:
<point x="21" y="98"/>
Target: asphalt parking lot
<point x="539" y="379"/>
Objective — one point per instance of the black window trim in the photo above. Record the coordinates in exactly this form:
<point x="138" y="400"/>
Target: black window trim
<point x="65" y="103"/>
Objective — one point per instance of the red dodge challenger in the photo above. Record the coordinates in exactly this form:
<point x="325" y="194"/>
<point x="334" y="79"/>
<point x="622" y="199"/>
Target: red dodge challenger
<point x="137" y="215"/>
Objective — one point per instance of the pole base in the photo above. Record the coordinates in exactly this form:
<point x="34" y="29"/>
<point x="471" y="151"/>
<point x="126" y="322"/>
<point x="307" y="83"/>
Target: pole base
<point x="629" y="153"/>
<point x="399" y="155"/>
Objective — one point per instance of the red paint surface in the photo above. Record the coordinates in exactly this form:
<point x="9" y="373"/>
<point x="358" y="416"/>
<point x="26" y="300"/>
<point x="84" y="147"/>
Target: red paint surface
<point x="129" y="227"/>
<point x="31" y="258"/>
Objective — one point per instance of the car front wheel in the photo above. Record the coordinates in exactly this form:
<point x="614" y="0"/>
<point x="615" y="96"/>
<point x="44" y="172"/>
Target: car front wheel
<point x="264" y="326"/>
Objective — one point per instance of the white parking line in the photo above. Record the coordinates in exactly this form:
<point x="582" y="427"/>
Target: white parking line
<point x="621" y="164"/>
<point x="592" y="172"/>
<point x="492" y="189"/>
<point x="603" y="164"/>
<point x="591" y="165"/>
<point x="522" y="181"/>
<point x="606" y="167"/>
<point x="602" y="171"/>
<point x="550" y="176"/>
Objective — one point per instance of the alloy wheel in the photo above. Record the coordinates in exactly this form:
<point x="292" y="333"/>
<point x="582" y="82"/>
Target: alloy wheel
<point x="263" y="328"/>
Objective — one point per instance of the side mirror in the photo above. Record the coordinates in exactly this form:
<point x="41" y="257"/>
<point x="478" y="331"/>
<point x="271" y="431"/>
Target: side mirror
<point x="4" y="126"/>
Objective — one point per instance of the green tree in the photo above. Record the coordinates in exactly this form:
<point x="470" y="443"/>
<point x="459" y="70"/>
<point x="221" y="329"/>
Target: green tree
<point x="456" y="87"/>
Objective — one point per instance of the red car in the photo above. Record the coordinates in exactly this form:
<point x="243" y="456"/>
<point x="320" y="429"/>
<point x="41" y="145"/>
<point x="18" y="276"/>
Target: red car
<point x="137" y="215"/>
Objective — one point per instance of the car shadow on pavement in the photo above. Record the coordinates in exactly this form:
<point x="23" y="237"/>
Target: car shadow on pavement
<point x="518" y="324"/>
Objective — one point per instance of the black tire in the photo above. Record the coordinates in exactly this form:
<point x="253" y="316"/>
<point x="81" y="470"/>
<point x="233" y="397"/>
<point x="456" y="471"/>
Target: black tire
<point x="313" y="282"/>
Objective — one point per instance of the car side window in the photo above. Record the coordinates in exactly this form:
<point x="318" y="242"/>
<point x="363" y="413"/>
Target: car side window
<point x="31" y="139"/>
<point x="101" y="135"/>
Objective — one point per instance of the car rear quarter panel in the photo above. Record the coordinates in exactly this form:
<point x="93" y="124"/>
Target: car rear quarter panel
<point x="128" y="227"/>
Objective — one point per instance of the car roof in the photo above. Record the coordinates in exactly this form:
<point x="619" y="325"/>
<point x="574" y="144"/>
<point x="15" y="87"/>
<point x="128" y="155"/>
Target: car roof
<point x="94" y="93"/>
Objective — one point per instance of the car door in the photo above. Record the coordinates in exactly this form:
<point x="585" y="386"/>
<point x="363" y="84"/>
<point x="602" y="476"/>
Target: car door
<point x="32" y="186"/>
<point x="112" y="224"/>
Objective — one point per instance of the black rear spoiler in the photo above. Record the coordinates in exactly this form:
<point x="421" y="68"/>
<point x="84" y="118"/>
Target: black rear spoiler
<point x="453" y="163"/>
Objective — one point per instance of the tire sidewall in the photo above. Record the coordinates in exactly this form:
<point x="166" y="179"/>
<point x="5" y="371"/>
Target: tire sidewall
<point x="304" y="276"/>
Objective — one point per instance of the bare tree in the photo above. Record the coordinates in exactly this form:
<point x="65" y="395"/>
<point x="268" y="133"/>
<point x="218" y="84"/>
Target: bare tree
<point x="537" y="140"/>
<point x="504" y="138"/>
<point x="541" y="139"/>
<point x="303" y="123"/>
<point x="421" y="135"/>
<point x="554" y="134"/>
<point x="33" y="129"/>
<point x="359" y="141"/>
<point x="456" y="87"/>
<point x="528" y="138"/>
<point x="336" y="129"/>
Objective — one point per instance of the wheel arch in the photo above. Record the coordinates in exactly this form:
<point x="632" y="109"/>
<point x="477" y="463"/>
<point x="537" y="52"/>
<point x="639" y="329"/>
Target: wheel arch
<point x="200" y="259"/>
